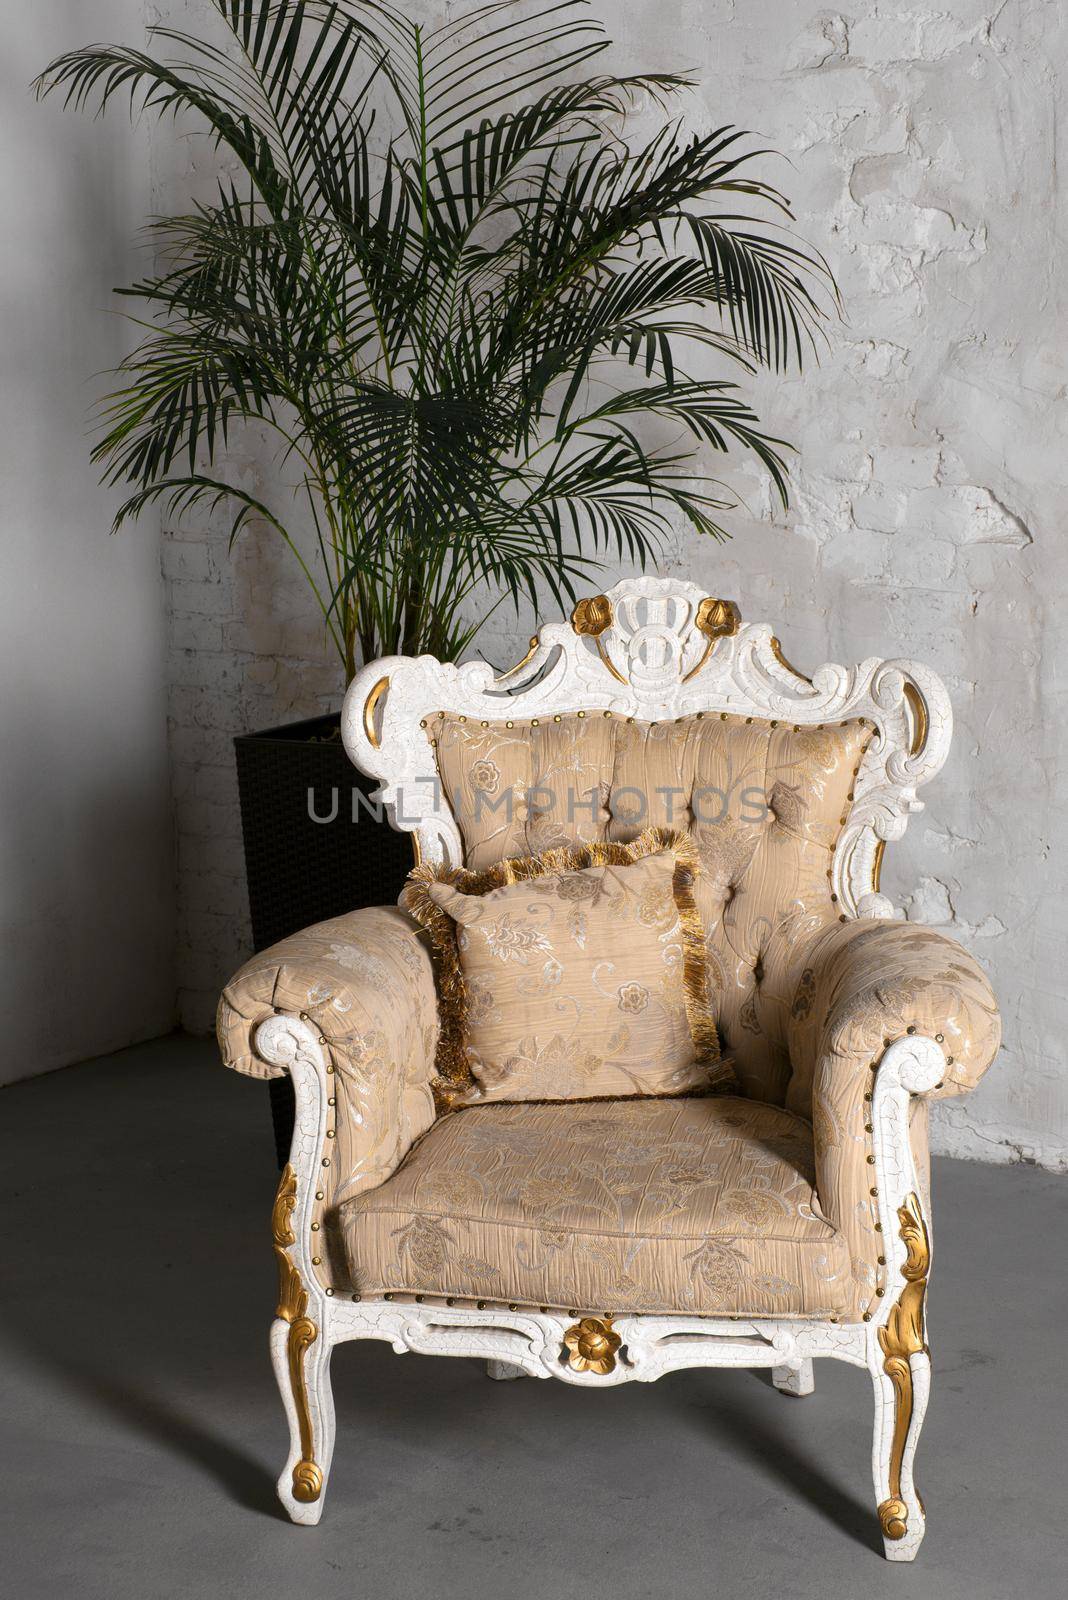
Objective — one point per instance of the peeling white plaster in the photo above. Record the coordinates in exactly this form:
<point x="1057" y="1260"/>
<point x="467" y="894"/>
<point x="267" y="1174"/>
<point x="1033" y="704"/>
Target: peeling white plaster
<point x="930" y="902"/>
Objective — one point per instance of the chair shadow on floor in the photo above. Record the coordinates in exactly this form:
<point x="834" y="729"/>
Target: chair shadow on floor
<point x="142" y="1406"/>
<point x="722" y="1406"/>
<point x="176" y="1310"/>
<point x="730" y="1416"/>
<point x="727" y="1409"/>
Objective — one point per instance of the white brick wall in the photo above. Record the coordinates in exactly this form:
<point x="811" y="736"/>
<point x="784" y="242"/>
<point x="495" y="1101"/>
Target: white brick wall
<point x="226" y="679"/>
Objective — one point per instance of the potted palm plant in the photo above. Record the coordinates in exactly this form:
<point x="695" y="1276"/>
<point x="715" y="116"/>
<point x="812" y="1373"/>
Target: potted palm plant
<point x="463" y="298"/>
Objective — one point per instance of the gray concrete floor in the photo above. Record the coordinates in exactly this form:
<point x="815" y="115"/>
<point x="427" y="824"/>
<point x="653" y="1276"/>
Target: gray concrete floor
<point x="141" y="1430"/>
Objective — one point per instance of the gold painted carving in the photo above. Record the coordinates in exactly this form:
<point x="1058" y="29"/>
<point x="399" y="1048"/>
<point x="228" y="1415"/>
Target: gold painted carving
<point x="918" y="707"/>
<point x="292" y="1299"/>
<point x="900" y="1340"/>
<point x="609" y="663"/>
<point x="520" y="664"/>
<point x="716" y="619"/>
<point x="307" y="1477"/>
<point x="282" y="1214"/>
<point x="592" y="616"/>
<point x="777" y="652"/>
<point x="369" y="706"/>
<point x="877" y="864"/>
<point x="591" y="1345"/>
<point x="293" y="1308"/>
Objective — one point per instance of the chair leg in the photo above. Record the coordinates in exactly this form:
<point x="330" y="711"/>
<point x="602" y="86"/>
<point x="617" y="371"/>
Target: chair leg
<point x="503" y="1372"/>
<point x="301" y="1359"/>
<point x="902" y="1386"/>
<point x="796" y="1380"/>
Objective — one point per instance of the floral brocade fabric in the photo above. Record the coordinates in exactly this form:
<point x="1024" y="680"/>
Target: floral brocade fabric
<point x="698" y="1203"/>
<point x="862" y="985"/>
<point x="764" y="803"/>
<point x="365" y="982"/>
<point x="571" y="977"/>
<point x="693" y="1205"/>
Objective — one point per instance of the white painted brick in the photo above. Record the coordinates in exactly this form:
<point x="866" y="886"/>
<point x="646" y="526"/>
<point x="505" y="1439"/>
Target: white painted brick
<point x="184" y="558"/>
<point x="907" y="466"/>
<point x="239" y="638"/>
<point x="217" y="784"/>
<point x="192" y="746"/>
<point x="204" y="669"/>
<point x="927" y="560"/>
<point x="204" y="708"/>
<point x="880" y="509"/>
<point x="208" y="599"/>
<point x="208" y="855"/>
<point x="204" y="819"/>
<point x="195" y="632"/>
<point x="218" y="892"/>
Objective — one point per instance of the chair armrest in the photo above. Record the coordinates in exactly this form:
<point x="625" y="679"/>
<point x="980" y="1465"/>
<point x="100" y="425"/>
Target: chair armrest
<point x="364" y="985"/>
<point x="867" y="992"/>
<point x="864" y="983"/>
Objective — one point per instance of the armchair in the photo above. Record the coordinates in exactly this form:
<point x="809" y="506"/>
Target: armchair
<point x="598" y="1242"/>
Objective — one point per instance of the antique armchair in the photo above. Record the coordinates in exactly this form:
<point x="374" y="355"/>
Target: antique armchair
<point x="791" y="1220"/>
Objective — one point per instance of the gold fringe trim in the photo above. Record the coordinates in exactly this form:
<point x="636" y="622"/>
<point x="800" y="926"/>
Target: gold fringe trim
<point x="700" y="1092"/>
<point x="454" y="1080"/>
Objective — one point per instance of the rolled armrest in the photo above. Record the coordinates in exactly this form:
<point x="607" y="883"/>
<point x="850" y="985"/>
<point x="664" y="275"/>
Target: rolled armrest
<point x="865" y="983"/>
<point x="365" y="982"/>
<point x="861" y="986"/>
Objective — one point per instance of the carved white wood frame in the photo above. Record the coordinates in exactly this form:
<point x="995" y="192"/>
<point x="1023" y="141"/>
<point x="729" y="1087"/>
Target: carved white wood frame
<point x="653" y="661"/>
<point x="531" y="1342"/>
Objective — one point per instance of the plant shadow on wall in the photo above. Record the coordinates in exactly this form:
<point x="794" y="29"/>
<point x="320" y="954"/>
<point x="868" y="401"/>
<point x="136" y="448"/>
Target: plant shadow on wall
<point x="460" y="290"/>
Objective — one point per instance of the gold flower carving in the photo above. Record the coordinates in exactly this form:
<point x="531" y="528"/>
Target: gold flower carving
<point x="592" y="616"/>
<point x="717" y="619"/>
<point x="591" y="1345"/>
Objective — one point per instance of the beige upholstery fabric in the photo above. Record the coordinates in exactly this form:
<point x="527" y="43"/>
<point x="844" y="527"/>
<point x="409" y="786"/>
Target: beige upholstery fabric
<point x="764" y="802"/>
<point x="703" y="1205"/>
<point x="365" y="981"/>
<point x="578" y="981"/>
<point x="863" y="984"/>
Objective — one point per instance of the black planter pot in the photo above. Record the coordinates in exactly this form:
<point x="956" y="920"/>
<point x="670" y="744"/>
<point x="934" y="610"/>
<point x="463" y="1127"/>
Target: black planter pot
<point x="302" y="870"/>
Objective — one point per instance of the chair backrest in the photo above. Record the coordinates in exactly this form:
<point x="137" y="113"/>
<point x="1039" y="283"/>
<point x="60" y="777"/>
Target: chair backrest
<point x="656" y="704"/>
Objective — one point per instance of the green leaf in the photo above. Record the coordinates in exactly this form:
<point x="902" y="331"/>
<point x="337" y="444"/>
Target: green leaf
<point x="456" y="293"/>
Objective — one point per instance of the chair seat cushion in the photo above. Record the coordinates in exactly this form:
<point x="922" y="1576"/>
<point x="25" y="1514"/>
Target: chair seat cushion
<point x="690" y="1205"/>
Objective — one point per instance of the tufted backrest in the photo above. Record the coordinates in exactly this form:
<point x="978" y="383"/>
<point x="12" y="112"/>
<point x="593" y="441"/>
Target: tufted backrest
<point x="765" y="802"/>
<point x="657" y="704"/>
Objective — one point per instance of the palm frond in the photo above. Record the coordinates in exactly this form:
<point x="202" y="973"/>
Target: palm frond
<point x="455" y="293"/>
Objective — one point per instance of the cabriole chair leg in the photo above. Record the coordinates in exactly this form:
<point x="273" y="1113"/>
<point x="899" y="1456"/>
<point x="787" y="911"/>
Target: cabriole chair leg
<point x="795" y="1380"/>
<point x="902" y="1386"/>
<point x="302" y="1367"/>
